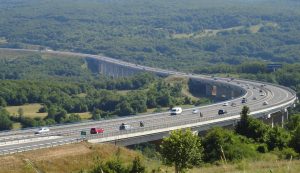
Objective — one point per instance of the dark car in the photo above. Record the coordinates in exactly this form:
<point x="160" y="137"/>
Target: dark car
<point x="244" y="100"/>
<point x="124" y="126"/>
<point x="222" y="111"/>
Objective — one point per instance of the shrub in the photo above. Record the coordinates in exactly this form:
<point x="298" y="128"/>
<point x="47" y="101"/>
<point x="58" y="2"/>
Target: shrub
<point x="278" y="137"/>
<point x="263" y="148"/>
<point x="234" y="147"/>
<point x="286" y="153"/>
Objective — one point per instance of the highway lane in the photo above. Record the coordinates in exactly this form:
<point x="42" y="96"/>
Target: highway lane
<point x="273" y="95"/>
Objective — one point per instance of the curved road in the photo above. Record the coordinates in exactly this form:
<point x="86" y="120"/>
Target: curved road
<point x="278" y="98"/>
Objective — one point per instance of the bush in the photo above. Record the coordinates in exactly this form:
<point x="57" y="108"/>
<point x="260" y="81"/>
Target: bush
<point x="252" y="128"/>
<point x="233" y="146"/>
<point x="286" y="153"/>
<point x="43" y="109"/>
<point x="278" y="138"/>
<point x="295" y="141"/>
<point x="263" y="148"/>
<point x="5" y="122"/>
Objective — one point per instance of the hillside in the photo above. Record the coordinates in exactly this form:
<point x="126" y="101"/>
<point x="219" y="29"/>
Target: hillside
<point x="189" y="34"/>
<point x="76" y="157"/>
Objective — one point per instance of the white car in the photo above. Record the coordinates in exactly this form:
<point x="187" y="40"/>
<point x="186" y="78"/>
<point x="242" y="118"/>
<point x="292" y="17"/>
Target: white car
<point x="195" y="111"/>
<point x="265" y="103"/>
<point x="262" y="94"/>
<point x="176" y="111"/>
<point x="42" y="130"/>
<point x="225" y="104"/>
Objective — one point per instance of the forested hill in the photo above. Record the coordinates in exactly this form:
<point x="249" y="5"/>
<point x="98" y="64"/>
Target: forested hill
<point x="188" y="34"/>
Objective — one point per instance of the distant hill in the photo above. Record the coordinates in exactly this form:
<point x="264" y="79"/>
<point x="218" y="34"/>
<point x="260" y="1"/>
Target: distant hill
<point x="188" y="34"/>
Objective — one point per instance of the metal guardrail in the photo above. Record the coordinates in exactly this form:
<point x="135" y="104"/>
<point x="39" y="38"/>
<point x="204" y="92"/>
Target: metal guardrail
<point x="40" y="146"/>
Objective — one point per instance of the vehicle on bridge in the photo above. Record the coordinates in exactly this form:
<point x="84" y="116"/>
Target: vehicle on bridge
<point x="142" y="124"/>
<point x="42" y="130"/>
<point x="244" y="100"/>
<point x="124" y="126"/>
<point x="176" y="110"/>
<point x="195" y="111"/>
<point x="96" y="130"/>
<point x="226" y="104"/>
<point x="233" y="104"/>
<point x="222" y="112"/>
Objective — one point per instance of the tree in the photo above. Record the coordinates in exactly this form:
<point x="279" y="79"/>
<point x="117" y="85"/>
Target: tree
<point x="5" y="122"/>
<point x="295" y="142"/>
<point x="137" y="166"/>
<point x="183" y="149"/>
<point x="223" y="144"/>
<point x="251" y="128"/>
<point x="293" y="122"/>
<point x="278" y="138"/>
<point x="242" y="126"/>
<point x="2" y="102"/>
<point x="125" y="108"/>
<point x="96" y="115"/>
<point x="20" y="112"/>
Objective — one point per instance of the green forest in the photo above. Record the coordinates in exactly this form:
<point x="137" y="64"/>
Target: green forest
<point x="186" y="35"/>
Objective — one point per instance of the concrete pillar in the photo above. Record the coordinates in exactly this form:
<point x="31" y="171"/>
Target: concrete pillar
<point x="282" y="120"/>
<point x="272" y="122"/>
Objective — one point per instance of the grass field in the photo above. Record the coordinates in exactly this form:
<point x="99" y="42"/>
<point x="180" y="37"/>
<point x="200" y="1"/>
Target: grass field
<point x="74" y="157"/>
<point x="63" y="159"/>
<point x="30" y="110"/>
<point x="185" y="89"/>
<point x="214" y="32"/>
<point x="277" y="166"/>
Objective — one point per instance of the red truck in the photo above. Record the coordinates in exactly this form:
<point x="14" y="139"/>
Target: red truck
<point x="96" y="130"/>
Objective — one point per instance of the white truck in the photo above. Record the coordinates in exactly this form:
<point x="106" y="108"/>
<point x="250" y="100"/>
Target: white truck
<point x="176" y="111"/>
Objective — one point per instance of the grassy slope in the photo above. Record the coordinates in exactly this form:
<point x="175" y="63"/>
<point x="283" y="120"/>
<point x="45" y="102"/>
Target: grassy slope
<point x="63" y="159"/>
<point x="213" y="32"/>
<point x="72" y="158"/>
<point x="30" y="110"/>
<point x="183" y="80"/>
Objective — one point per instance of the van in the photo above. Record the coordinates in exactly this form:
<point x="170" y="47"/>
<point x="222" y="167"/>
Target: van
<point x="96" y="130"/>
<point x="176" y="110"/>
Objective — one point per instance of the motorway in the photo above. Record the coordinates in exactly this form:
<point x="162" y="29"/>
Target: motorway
<point x="278" y="98"/>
